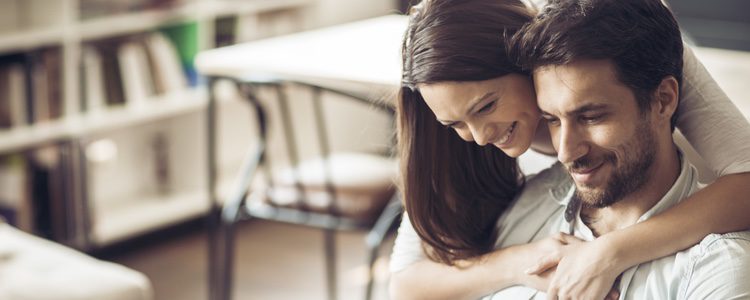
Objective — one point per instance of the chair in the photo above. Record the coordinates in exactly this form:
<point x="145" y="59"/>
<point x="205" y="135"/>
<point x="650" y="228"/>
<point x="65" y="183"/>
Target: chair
<point x="336" y="191"/>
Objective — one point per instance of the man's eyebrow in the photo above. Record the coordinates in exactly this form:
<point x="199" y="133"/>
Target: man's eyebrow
<point x="588" y="107"/>
<point x="476" y="101"/>
<point x="580" y="110"/>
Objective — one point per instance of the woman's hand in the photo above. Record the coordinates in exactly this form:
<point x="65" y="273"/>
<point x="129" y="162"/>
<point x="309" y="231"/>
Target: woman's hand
<point x="544" y="254"/>
<point x="582" y="270"/>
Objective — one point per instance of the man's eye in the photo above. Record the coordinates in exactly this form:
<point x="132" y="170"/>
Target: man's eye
<point x="487" y="107"/>
<point x="591" y="119"/>
<point x="552" y="121"/>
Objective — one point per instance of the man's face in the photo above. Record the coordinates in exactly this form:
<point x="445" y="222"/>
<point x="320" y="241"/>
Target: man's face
<point x="606" y="143"/>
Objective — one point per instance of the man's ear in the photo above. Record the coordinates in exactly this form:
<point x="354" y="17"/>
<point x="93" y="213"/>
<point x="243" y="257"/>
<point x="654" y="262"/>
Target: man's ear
<point x="666" y="98"/>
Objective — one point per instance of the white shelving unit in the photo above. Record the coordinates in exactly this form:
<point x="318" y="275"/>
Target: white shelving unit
<point x="29" y="39"/>
<point x="118" y="216"/>
<point x="138" y="215"/>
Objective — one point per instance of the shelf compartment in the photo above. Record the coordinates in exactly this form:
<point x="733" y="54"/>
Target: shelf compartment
<point x="128" y="218"/>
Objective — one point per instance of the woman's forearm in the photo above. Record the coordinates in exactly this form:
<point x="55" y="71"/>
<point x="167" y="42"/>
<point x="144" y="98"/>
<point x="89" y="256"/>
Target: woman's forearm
<point x="430" y="280"/>
<point x="721" y="207"/>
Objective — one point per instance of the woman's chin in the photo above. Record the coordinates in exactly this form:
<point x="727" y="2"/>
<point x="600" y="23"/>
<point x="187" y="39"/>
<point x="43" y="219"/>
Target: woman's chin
<point x="514" y="151"/>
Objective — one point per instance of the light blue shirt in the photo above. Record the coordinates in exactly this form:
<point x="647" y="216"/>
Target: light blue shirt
<point x="717" y="268"/>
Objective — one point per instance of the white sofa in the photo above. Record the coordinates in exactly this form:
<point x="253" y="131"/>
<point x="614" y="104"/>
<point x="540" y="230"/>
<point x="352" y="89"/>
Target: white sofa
<point x="32" y="268"/>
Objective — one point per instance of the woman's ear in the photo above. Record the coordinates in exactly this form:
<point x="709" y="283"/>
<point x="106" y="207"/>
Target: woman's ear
<point x="666" y="98"/>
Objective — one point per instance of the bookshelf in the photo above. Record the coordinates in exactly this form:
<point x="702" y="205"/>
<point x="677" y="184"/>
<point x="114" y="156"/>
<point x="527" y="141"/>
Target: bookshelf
<point x="103" y="157"/>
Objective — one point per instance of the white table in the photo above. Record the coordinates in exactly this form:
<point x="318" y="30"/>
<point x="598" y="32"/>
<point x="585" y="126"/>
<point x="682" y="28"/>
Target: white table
<point x="368" y="52"/>
<point x="364" y="52"/>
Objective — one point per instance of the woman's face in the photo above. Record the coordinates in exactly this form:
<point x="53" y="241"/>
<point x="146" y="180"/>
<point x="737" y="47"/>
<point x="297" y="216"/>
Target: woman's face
<point x="500" y="111"/>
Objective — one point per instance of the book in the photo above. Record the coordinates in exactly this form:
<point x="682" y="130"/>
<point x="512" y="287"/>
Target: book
<point x="44" y="166"/>
<point x="135" y="73"/>
<point x="45" y="76"/>
<point x="94" y="94"/>
<point x="184" y="37"/>
<point x="5" y="113"/>
<point x="15" y="205"/>
<point x="17" y="96"/>
<point x="39" y="99"/>
<point x="52" y="60"/>
<point x="166" y="63"/>
<point x="226" y="31"/>
<point x="111" y="69"/>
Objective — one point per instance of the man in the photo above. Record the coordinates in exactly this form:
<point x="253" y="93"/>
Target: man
<point x="607" y="75"/>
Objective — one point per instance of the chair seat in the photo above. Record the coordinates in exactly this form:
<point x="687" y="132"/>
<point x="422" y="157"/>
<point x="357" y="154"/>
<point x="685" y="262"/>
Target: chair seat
<point x="362" y="183"/>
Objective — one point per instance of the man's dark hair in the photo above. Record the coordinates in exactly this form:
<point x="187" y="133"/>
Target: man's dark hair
<point x="640" y="37"/>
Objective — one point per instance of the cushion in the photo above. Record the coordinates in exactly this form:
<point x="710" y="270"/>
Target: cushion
<point x="363" y="184"/>
<point x="32" y="268"/>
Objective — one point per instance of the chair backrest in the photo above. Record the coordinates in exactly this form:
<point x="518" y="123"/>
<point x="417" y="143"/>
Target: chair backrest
<point x="334" y="188"/>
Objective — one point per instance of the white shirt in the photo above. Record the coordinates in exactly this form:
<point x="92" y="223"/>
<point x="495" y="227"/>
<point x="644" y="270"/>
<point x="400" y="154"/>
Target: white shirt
<point x="716" y="268"/>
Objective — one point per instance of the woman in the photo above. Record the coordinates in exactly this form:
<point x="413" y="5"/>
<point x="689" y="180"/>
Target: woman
<point x="455" y="190"/>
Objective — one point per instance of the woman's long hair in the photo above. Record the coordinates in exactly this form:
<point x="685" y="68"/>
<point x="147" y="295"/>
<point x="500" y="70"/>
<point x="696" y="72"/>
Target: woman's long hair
<point x="454" y="191"/>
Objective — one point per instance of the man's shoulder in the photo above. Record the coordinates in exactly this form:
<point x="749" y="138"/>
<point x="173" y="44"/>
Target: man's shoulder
<point x="717" y="245"/>
<point x="539" y="200"/>
<point x="719" y="260"/>
<point x="554" y="181"/>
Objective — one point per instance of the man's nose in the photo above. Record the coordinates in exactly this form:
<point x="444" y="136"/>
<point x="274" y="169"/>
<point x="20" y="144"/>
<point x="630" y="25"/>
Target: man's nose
<point x="482" y="133"/>
<point x="571" y="145"/>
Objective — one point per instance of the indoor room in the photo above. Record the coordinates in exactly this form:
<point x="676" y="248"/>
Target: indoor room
<point x="268" y="149"/>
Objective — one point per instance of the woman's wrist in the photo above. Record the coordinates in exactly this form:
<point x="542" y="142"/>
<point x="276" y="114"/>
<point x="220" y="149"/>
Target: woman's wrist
<point x="618" y="251"/>
<point x="518" y="260"/>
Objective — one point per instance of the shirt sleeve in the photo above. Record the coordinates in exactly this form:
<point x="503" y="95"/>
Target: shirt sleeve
<point x="720" y="268"/>
<point x="407" y="248"/>
<point x="711" y="123"/>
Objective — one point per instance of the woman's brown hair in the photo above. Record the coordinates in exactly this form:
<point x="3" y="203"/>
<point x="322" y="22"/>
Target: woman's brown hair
<point x="454" y="191"/>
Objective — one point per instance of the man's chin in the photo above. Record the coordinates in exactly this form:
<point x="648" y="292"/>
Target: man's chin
<point x="590" y="196"/>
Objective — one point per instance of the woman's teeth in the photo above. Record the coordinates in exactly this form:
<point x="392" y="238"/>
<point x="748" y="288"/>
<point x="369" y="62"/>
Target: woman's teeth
<point x="507" y="135"/>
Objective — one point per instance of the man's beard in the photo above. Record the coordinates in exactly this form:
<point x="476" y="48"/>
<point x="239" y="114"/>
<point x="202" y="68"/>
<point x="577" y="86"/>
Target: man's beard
<point x="629" y="176"/>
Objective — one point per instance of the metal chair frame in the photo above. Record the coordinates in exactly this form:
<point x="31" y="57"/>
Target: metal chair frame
<point x="222" y="220"/>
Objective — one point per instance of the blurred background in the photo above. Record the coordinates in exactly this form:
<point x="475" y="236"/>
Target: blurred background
<point x="102" y="133"/>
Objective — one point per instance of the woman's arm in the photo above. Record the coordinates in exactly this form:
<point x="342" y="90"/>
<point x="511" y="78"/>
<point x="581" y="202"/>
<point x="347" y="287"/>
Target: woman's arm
<point x="430" y="280"/>
<point x="414" y="276"/>
<point x="721" y="135"/>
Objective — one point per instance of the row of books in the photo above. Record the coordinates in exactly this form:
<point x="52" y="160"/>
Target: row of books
<point x="127" y="70"/>
<point x="30" y="87"/>
<point x="35" y="195"/>
<point x="130" y="70"/>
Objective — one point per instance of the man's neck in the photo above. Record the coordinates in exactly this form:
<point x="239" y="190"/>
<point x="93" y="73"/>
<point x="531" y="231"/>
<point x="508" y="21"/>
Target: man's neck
<point x="663" y="174"/>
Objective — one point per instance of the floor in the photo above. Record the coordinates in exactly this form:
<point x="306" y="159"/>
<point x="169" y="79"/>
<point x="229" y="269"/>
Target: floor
<point x="274" y="261"/>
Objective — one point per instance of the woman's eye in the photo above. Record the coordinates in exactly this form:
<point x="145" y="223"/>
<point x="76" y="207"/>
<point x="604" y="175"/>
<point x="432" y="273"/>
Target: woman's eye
<point x="487" y="107"/>
<point x="456" y="125"/>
